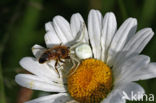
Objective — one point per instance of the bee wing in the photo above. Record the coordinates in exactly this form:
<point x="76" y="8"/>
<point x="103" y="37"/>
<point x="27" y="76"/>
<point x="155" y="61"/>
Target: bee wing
<point x="38" y="50"/>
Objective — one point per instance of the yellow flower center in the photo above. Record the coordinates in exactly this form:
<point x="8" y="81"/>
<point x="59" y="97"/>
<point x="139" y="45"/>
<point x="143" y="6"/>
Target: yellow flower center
<point x="91" y="82"/>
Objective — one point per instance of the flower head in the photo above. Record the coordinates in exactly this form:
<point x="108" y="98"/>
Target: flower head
<point x="108" y="61"/>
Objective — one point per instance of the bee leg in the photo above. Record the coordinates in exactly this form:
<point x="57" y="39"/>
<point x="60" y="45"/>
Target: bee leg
<point x="56" y="68"/>
<point x="61" y="61"/>
<point x="61" y="43"/>
<point x="68" y="57"/>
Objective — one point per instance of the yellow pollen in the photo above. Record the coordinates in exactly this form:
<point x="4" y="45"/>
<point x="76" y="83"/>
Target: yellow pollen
<point x="91" y="82"/>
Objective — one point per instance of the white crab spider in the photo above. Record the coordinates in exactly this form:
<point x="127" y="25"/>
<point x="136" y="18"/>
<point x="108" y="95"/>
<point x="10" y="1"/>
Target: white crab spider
<point x="80" y="50"/>
<point x="83" y="51"/>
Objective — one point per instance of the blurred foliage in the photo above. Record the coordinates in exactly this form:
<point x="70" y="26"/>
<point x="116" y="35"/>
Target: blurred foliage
<point x="22" y="25"/>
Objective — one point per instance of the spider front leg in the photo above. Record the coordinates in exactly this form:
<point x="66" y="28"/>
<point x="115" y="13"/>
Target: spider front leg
<point x="74" y="67"/>
<point x="81" y="38"/>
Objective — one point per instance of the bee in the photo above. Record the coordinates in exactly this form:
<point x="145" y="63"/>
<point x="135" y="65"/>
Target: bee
<point x="74" y="52"/>
<point x="56" y="53"/>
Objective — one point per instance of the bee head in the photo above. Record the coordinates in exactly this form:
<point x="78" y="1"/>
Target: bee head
<point x="44" y="57"/>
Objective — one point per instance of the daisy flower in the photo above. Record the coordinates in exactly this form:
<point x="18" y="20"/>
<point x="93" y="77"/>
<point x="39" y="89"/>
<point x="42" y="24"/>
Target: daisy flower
<point x="110" y="63"/>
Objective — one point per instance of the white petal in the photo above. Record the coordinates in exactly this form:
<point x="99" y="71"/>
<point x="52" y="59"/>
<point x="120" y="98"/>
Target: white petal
<point x="131" y="67"/>
<point x="135" y="45"/>
<point x="62" y="29"/>
<point x="42" y="70"/>
<point x="121" y="92"/>
<point x="147" y="72"/>
<point x="48" y="26"/>
<point x="37" y="50"/>
<point x="139" y="41"/>
<point x="37" y="83"/>
<point x="94" y="29"/>
<point x="51" y="37"/>
<point x="108" y="31"/>
<point x="114" y="97"/>
<point x="54" y="98"/>
<point x="130" y="89"/>
<point x="76" y="22"/>
<point x="121" y="37"/>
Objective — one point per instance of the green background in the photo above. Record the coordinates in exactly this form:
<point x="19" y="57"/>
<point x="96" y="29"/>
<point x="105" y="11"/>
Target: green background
<point x="22" y="26"/>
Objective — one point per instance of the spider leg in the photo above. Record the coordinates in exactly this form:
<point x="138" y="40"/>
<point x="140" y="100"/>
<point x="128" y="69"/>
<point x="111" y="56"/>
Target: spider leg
<point x="82" y="36"/>
<point x="75" y="45"/>
<point x="74" y="64"/>
<point x="81" y="32"/>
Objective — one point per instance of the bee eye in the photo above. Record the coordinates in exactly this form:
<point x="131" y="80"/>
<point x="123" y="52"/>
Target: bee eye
<point x="44" y="57"/>
<point x="42" y="60"/>
<point x="63" y="51"/>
